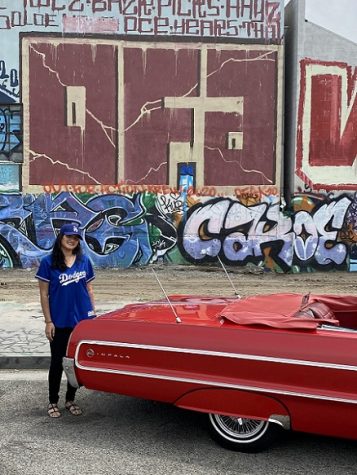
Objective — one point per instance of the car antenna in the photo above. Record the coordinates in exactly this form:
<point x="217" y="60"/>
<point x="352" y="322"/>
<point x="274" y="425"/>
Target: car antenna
<point x="205" y="251"/>
<point x="230" y="280"/>
<point x="177" y="318"/>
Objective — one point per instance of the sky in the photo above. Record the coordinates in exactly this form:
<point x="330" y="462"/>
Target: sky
<point x="339" y="16"/>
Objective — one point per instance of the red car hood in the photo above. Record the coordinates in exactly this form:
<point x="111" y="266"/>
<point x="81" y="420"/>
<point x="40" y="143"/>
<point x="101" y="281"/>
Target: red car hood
<point x="191" y="309"/>
<point x="274" y="310"/>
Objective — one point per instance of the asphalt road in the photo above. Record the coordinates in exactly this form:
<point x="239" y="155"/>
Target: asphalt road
<point x="126" y="436"/>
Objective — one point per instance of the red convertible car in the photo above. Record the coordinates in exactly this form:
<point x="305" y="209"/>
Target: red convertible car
<point x="255" y="365"/>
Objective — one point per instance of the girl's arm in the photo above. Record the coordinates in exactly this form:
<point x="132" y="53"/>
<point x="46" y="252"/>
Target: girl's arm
<point x="45" y="305"/>
<point x="91" y="295"/>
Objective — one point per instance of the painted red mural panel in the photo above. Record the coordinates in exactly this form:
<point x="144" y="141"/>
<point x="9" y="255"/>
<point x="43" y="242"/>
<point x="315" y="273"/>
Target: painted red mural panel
<point x="210" y="107"/>
<point x="327" y="140"/>
<point x="78" y="154"/>
<point x="325" y="115"/>
<point x="250" y="75"/>
<point x="328" y="146"/>
<point x="150" y="75"/>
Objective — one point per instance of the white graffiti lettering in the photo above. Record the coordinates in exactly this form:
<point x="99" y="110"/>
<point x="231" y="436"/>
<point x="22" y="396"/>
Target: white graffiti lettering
<point x="315" y="235"/>
<point x="240" y="233"/>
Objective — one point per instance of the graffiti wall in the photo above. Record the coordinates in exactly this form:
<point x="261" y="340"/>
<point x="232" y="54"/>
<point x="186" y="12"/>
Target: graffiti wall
<point x="118" y="230"/>
<point x="156" y="127"/>
<point x="142" y="228"/>
<point x="315" y="237"/>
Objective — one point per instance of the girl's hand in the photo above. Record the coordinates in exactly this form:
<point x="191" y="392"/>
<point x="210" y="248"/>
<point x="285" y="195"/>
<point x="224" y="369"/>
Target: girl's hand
<point x="50" y="331"/>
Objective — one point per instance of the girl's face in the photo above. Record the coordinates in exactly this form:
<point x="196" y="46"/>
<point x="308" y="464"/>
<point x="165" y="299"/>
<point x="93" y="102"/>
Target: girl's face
<point x="69" y="243"/>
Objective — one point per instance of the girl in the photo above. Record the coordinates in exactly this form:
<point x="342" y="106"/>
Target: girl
<point x="66" y="296"/>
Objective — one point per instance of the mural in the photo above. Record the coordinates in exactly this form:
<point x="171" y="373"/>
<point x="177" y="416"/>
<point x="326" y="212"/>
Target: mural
<point x="117" y="230"/>
<point x="263" y="235"/>
<point x="327" y="139"/>
<point x="243" y="20"/>
<point x="156" y="127"/>
<point x="142" y="228"/>
<point x="177" y="107"/>
<point x="11" y="133"/>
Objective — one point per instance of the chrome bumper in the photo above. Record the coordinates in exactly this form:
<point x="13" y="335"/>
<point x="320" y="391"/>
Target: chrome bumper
<point x="68" y="366"/>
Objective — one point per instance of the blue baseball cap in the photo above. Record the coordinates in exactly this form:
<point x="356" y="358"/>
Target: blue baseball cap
<point x="70" y="230"/>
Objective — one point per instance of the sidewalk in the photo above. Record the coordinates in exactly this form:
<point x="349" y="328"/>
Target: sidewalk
<point x="23" y="344"/>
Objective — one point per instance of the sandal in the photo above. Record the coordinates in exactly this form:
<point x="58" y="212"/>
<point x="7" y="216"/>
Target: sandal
<point x="53" y="411"/>
<point x="73" y="408"/>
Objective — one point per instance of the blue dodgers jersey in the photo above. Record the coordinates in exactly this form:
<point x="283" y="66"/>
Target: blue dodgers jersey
<point x="68" y="294"/>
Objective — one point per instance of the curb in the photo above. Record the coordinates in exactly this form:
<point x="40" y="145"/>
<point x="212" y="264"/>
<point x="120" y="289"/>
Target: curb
<point x="24" y="362"/>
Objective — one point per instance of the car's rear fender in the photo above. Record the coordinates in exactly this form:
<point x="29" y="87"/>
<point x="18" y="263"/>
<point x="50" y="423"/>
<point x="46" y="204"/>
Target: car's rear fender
<point x="232" y="402"/>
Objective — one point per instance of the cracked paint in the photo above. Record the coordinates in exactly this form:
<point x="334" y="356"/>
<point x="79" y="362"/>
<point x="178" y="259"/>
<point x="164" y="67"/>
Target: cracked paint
<point x="144" y="109"/>
<point x="199" y="109"/>
<point x="152" y="169"/>
<point x="238" y="163"/>
<point x="103" y="126"/>
<point x="191" y="97"/>
<point x="57" y="126"/>
<point x="36" y="155"/>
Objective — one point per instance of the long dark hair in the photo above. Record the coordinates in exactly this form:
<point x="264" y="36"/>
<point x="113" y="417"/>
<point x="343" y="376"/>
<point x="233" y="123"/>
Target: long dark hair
<point x="58" y="261"/>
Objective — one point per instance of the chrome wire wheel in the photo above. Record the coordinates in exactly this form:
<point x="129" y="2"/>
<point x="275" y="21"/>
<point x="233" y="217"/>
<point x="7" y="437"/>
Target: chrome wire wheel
<point x="242" y="434"/>
<point x="238" y="428"/>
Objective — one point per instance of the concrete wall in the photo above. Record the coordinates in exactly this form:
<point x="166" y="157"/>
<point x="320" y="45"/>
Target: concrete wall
<point x="124" y="117"/>
<point x="157" y="127"/>
<point x="321" y="143"/>
<point x="320" y="138"/>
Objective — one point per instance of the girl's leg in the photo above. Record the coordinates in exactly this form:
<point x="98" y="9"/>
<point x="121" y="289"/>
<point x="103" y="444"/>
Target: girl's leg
<point x="71" y="392"/>
<point x="58" y="350"/>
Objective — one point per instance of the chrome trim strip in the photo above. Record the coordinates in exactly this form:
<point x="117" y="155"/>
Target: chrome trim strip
<point x="269" y="359"/>
<point x="207" y="382"/>
<point x="217" y="384"/>
<point x="282" y="421"/>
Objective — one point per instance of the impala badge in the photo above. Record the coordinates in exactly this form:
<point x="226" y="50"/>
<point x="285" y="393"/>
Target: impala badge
<point x="90" y="353"/>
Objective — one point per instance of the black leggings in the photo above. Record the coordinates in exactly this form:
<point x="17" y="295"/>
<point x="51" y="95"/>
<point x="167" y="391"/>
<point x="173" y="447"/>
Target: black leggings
<point x="58" y="351"/>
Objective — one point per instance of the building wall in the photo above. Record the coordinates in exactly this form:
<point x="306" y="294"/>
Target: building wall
<point x="321" y="143"/>
<point x="157" y="128"/>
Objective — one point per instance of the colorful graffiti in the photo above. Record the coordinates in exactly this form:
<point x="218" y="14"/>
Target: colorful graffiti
<point x="11" y="133"/>
<point x="263" y="235"/>
<point x="255" y="19"/>
<point x="122" y="231"/>
<point x="327" y="141"/>
<point x="174" y="154"/>
<point x="118" y="230"/>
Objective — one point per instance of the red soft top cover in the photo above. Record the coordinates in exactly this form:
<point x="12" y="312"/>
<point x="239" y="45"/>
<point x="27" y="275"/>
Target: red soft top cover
<point x="287" y="310"/>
